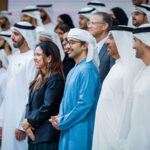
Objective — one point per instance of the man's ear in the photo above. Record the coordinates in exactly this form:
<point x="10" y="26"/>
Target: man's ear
<point x="105" y="26"/>
<point x="85" y="46"/>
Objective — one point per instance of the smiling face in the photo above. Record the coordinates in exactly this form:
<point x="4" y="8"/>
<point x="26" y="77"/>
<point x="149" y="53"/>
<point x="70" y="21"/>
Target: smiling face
<point x="95" y="25"/>
<point x="74" y="48"/>
<point x="17" y="38"/>
<point x="64" y="42"/>
<point x="60" y="34"/>
<point x="83" y="22"/>
<point x="39" y="58"/>
<point x="77" y="49"/>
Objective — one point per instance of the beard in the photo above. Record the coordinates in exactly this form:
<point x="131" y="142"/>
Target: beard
<point x="3" y="25"/>
<point x="1" y="47"/>
<point x="19" y="43"/>
<point x="44" y="18"/>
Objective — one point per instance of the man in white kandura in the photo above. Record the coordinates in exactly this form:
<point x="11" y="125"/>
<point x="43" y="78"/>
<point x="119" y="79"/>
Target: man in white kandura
<point x="139" y="133"/>
<point x="20" y="73"/>
<point x="112" y="102"/>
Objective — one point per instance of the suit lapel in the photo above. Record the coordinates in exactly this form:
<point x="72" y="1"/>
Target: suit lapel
<point x="102" y="51"/>
<point x="31" y="94"/>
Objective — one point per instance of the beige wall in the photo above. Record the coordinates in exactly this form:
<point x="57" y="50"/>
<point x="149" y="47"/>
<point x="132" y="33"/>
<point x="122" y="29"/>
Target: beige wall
<point x="3" y="5"/>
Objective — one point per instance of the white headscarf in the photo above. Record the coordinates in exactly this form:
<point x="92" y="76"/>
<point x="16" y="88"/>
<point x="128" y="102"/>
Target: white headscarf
<point x="145" y="9"/>
<point x="143" y="33"/>
<point x="28" y="32"/>
<point x="131" y="65"/>
<point x="6" y="35"/>
<point x="92" y="46"/>
<point x="124" y="40"/>
<point x="87" y="12"/>
<point x="33" y="12"/>
<point x="48" y="8"/>
<point x="54" y="37"/>
<point x="100" y="7"/>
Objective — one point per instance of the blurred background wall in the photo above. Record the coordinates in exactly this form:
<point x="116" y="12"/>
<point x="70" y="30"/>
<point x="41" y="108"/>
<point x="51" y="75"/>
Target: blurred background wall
<point x="70" y="7"/>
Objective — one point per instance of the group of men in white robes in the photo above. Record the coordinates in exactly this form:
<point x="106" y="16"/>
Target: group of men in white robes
<point x="121" y="121"/>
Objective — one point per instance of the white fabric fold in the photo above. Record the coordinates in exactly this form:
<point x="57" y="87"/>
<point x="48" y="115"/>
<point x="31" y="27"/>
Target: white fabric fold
<point x="33" y="13"/>
<point x="54" y="37"/>
<point x="143" y="36"/>
<point x="87" y="12"/>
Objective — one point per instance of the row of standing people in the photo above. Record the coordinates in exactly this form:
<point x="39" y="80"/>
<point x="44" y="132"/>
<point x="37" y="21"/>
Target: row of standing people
<point x="27" y="124"/>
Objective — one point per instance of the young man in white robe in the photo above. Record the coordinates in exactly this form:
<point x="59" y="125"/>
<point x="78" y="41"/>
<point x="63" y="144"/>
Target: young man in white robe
<point x="139" y="133"/>
<point x="20" y="73"/>
<point x="112" y="103"/>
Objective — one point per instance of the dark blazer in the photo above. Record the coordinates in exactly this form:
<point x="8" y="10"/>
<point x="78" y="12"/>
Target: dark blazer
<point x="106" y="62"/>
<point x="43" y="104"/>
<point x="68" y="64"/>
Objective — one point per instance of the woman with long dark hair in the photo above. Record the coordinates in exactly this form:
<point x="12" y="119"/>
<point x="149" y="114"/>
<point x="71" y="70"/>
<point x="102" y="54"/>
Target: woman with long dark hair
<point x="46" y="92"/>
<point x="65" y="18"/>
<point x="119" y="14"/>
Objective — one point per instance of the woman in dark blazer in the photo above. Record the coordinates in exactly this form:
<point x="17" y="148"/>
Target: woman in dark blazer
<point x="46" y="92"/>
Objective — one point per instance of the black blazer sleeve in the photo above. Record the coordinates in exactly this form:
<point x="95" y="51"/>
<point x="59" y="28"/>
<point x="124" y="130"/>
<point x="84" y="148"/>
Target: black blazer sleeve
<point x="54" y="90"/>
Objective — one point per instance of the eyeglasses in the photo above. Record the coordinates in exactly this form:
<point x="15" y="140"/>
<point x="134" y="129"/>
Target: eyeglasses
<point x="72" y="42"/>
<point x="93" y="23"/>
<point x="136" y="13"/>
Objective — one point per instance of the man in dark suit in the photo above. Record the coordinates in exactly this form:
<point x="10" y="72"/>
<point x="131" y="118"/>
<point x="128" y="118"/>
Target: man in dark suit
<point x="99" y="26"/>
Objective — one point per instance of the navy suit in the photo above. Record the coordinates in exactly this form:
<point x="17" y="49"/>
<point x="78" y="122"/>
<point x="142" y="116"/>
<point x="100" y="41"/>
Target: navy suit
<point x="43" y="104"/>
<point x="106" y="62"/>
